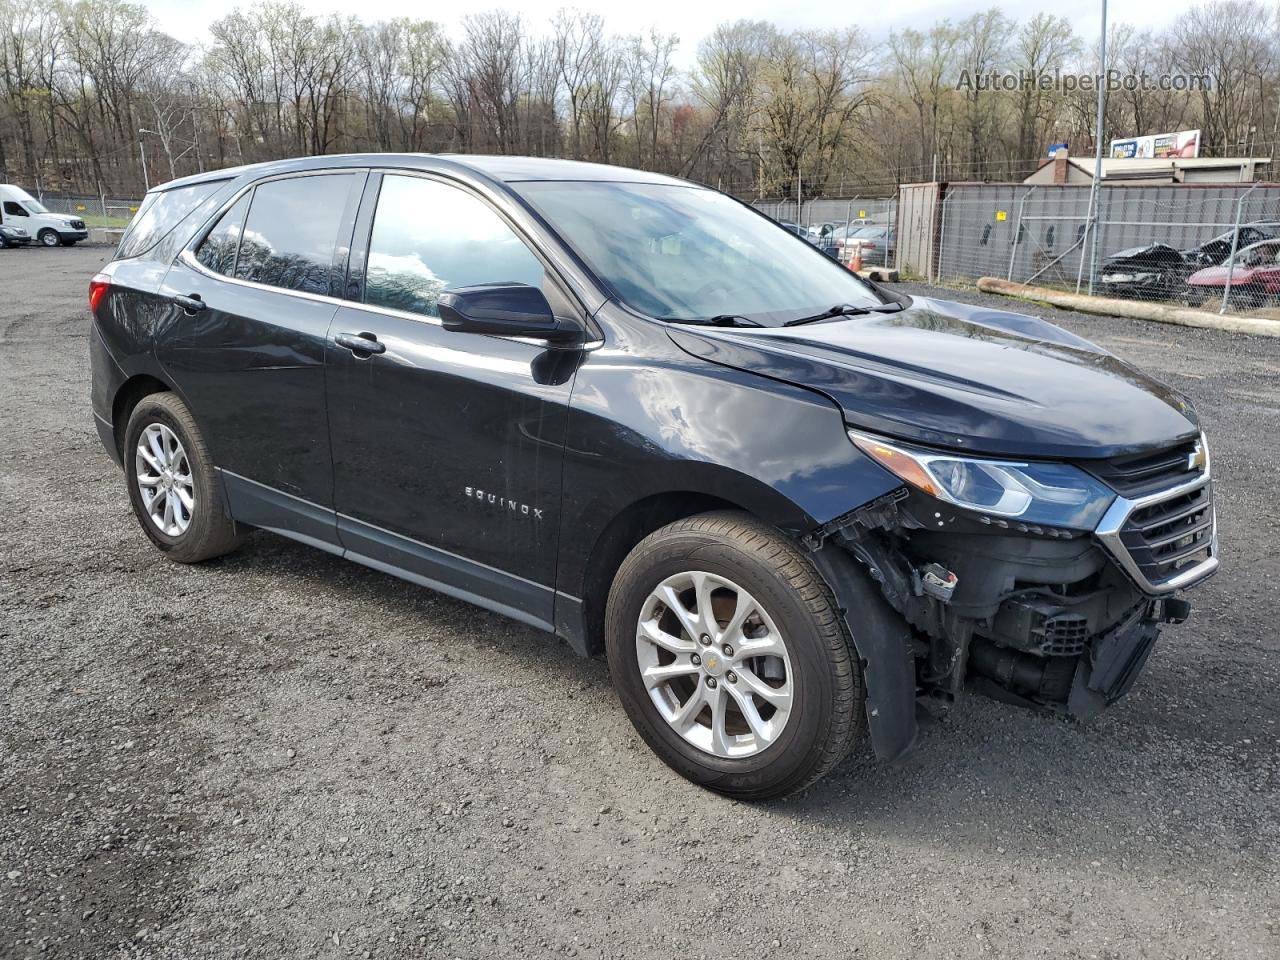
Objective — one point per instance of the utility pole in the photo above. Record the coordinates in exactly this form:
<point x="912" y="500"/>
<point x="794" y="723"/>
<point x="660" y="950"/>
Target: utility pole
<point x="142" y="155"/>
<point x="1097" y="153"/>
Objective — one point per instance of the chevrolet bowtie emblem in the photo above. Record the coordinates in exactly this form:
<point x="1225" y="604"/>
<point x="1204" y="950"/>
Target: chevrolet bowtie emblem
<point x="1197" y="459"/>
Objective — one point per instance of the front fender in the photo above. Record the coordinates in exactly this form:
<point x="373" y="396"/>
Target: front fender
<point x="674" y="422"/>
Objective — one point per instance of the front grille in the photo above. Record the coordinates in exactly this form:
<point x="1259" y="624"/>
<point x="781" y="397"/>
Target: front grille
<point x="1170" y="535"/>
<point x="77" y="224"/>
<point x="1140" y="474"/>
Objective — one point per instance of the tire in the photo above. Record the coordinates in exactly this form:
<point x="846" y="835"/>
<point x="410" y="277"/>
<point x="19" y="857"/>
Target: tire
<point x="48" y="237"/>
<point x="208" y="532"/>
<point x="822" y="676"/>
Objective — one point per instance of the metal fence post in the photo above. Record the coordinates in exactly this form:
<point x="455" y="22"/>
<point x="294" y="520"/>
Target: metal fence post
<point x="1017" y="232"/>
<point x="1235" y="243"/>
<point x="1097" y="222"/>
<point x="942" y="238"/>
<point x="1090" y="227"/>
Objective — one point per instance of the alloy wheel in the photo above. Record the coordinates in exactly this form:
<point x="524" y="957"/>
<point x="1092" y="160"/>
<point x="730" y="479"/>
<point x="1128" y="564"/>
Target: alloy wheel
<point x="164" y="480"/>
<point x="714" y="664"/>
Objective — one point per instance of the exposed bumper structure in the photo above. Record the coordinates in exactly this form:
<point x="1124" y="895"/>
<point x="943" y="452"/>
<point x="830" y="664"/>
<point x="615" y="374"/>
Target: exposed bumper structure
<point x="1049" y="619"/>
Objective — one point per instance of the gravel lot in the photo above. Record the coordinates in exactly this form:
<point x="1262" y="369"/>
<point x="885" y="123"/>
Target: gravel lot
<point x="285" y="755"/>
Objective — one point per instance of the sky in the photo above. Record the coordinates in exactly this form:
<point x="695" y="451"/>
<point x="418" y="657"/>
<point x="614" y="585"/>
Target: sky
<point x="188" y="20"/>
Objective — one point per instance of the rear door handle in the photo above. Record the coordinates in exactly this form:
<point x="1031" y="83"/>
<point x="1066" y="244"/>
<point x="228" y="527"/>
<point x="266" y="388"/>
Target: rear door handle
<point x="360" y="343"/>
<point x="191" y="304"/>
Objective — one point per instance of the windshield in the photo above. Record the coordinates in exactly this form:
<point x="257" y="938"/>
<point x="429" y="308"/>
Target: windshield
<point x="687" y="253"/>
<point x="1261" y="255"/>
<point x="31" y="203"/>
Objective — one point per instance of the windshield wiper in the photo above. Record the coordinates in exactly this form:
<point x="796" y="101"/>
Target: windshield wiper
<point x="845" y="310"/>
<point x="719" y="320"/>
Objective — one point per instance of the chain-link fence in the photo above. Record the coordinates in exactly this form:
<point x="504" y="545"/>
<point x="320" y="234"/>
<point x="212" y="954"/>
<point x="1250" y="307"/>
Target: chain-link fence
<point x="844" y="228"/>
<point x="99" y="209"/>
<point x="1211" y="246"/>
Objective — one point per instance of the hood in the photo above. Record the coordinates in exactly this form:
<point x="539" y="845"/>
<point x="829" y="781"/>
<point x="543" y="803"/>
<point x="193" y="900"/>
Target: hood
<point x="1155" y="253"/>
<point x="952" y="375"/>
<point x="1217" y="276"/>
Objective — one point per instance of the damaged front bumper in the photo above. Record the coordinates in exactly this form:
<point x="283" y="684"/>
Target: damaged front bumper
<point x="1052" y="619"/>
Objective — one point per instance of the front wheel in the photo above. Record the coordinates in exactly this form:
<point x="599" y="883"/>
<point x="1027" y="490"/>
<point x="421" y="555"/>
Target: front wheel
<point x="731" y="658"/>
<point x="48" y="237"/>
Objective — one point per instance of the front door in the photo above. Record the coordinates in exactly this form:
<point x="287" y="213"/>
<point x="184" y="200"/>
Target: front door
<point x="447" y="446"/>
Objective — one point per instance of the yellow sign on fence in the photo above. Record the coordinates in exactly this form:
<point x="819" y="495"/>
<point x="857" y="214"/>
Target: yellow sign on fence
<point x="80" y="207"/>
<point x="1002" y="215"/>
<point x="862" y="213"/>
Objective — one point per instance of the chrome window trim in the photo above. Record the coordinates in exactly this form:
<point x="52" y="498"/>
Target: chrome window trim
<point x="1117" y="515"/>
<point x="188" y="259"/>
<point x="188" y="254"/>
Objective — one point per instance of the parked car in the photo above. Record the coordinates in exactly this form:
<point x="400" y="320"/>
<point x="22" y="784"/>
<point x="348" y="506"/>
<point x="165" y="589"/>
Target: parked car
<point x="13" y="236"/>
<point x="832" y="243"/>
<point x="1253" y="273"/>
<point x="876" y="244"/>
<point x="19" y="209"/>
<point x="1159" y="271"/>
<point x="786" y="503"/>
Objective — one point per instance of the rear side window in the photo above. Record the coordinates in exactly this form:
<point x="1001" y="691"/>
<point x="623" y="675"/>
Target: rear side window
<point x="160" y="212"/>
<point x="429" y="236"/>
<point x="219" y="248"/>
<point x="291" y="231"/>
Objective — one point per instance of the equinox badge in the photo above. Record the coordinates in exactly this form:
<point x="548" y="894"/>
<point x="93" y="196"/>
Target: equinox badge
<point x="503" y="503"/>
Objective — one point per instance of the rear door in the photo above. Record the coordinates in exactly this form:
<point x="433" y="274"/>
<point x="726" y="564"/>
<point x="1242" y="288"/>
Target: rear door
<point x="447" y="445"/>
<point x="252" y="303"/>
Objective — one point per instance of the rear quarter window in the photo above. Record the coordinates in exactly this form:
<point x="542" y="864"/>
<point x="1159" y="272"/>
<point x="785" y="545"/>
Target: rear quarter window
<point x="161" y="211"/>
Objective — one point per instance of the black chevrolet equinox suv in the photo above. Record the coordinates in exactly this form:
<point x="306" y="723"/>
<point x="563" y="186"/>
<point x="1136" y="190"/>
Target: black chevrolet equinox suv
<point x="791" y="506"/>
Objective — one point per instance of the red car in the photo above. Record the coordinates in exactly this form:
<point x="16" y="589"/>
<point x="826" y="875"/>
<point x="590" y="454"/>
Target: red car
<point x="1254" y="276"/>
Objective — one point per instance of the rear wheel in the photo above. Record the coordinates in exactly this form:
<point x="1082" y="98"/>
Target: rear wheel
<point x="730" y="657"/>
<point x="172" y="484"/>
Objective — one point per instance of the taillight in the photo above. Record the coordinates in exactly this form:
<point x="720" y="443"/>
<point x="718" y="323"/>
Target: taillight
<point x="98" y="288"/>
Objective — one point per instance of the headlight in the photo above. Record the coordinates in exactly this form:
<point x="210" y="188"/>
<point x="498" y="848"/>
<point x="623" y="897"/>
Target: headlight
<point x="1053" y="494"/>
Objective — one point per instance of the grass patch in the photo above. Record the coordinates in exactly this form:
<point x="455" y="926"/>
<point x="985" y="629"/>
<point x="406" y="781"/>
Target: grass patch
<point x="99" y="221"/>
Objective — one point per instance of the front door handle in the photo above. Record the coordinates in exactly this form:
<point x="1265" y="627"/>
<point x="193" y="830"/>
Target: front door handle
<point x="191" y="305"/>
<point x="360" y="343"/>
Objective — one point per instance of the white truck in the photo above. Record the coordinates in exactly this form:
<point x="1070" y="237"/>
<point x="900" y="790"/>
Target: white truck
<point x="19" y="209"/>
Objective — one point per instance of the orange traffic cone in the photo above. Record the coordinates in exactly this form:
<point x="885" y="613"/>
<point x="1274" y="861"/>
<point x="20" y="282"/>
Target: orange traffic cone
<point x="855" y="262"/>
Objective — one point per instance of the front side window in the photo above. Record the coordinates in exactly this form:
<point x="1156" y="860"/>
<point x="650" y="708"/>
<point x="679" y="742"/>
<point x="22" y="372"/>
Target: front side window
<point x="14" y="209"/>
<point x="219" y="248"/>
<point x="686" y="253"/>
<point x="160" y="212"/>
<point x="291" y="231"/>
<point x="429" y="236"/>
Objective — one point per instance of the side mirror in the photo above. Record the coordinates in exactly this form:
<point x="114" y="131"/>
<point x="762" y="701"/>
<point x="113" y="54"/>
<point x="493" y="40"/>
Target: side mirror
<point x="505" y="310"/>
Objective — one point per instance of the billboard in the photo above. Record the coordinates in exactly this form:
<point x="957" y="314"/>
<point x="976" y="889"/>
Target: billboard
<point x="1160" y="146"/>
